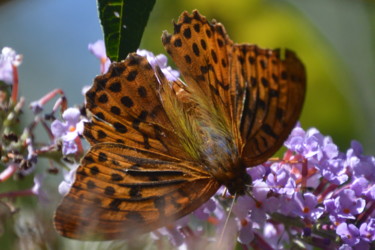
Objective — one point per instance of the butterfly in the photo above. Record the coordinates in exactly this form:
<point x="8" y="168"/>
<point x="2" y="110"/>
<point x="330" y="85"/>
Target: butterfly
<point x="161" y="148"/>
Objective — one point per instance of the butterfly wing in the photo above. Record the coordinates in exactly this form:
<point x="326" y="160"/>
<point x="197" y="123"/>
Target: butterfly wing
<point x="273" y="85"/>
<point x="126" y="106"/>
<point x="259" y="91"/>
<point x="136" y="177"/>
<point x="202" y="52"/>
<point x="121" y="191"/>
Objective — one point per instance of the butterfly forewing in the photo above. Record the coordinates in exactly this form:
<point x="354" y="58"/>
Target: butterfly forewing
<point x="201" y="51"/>
<point x="126" y="107"/>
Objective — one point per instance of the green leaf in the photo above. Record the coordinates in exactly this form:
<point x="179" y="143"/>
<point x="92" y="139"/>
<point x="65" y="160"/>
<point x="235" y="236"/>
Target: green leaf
<point x="123" y="23"/>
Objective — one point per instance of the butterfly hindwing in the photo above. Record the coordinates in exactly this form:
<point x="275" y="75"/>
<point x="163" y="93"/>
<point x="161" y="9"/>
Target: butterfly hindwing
<point x="275" y="89"/>
<point x="120" y="192"/>
<point x="137" y="176"/>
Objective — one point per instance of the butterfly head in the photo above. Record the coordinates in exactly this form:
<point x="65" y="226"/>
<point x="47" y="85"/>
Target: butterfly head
<point x="233" y="177"/>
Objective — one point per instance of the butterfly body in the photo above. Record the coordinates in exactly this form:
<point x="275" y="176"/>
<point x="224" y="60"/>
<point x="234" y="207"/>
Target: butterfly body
<point x="160" y="148"/>
<point x="208" y="139"/>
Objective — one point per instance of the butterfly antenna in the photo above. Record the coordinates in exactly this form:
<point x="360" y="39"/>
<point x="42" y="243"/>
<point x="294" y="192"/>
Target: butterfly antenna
<point x="227" y="220"/>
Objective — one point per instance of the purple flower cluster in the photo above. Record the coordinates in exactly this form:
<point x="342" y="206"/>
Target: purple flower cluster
<point x="98" y="50"/>
<point x="314" y="194"/>
<point x="69" y="130"/>
<point x="19" y="150"/>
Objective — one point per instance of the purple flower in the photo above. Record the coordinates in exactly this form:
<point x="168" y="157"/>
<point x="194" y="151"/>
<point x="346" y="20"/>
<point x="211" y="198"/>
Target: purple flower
<point x="204" y="211"/>
<point x="36" y="107"/>
<point x="359" y="186"/>
<point x="275" y="235"/>
<point x="306" y="206"/>
<point x="346" y="205"/>
<point x="241" y="209"/>
<point x="8" y="60"/>
<point x="311" y="144"/>
<point x="245" y="234"/>
<point x="296" y="139"/>
<point x="98" y="50"/>
<point x="173" y="232"/>
<point x="367" y="230"/>
<point x="68" y="180"/>
<point x="360" y="164"/>
<point x="37" y="188"/>
<point x="280" y="179"/>
<point x="69" y="130"/>
<point x="362" y="245"/>
<point x="349" y="233"/>
<point x="286" y="205"/>
<point x="160" y="61"/>
<point x="247" y="209"/>
<point x="355" y="148"/>
<point x="330" y="149"/>
<point x="257" y="172"/>
<point x="370" y="192"/>
<point x="261" y="204"/>
<point x="333" y="170"/>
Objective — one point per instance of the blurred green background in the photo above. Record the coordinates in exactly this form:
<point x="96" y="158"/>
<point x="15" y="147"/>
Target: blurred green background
<point x="334" y="39"/>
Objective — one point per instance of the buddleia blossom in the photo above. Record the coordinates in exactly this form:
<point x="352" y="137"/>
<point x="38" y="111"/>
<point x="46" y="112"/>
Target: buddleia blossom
<point x="161" y="62"/>
<point x="9" y="60"/>
<point x="349" y="233"/>
<point x="99" y="51"/>
<point x="69" y="130"/>
<point x="20" y="146"/>
<point x="360" y="165"/>
<point x="367" y="230"/>
<point x="314" y="190"/>
<point x="306" y="206"/>
<point x="68" y="178"/>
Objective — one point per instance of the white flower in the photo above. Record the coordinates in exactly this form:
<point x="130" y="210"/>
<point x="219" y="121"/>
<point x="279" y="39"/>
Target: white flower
<point x="160" y="61"/>
<point x="8" y="60"/>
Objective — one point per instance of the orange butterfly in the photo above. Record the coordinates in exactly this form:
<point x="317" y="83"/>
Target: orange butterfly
<point x="160" y="149"/>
